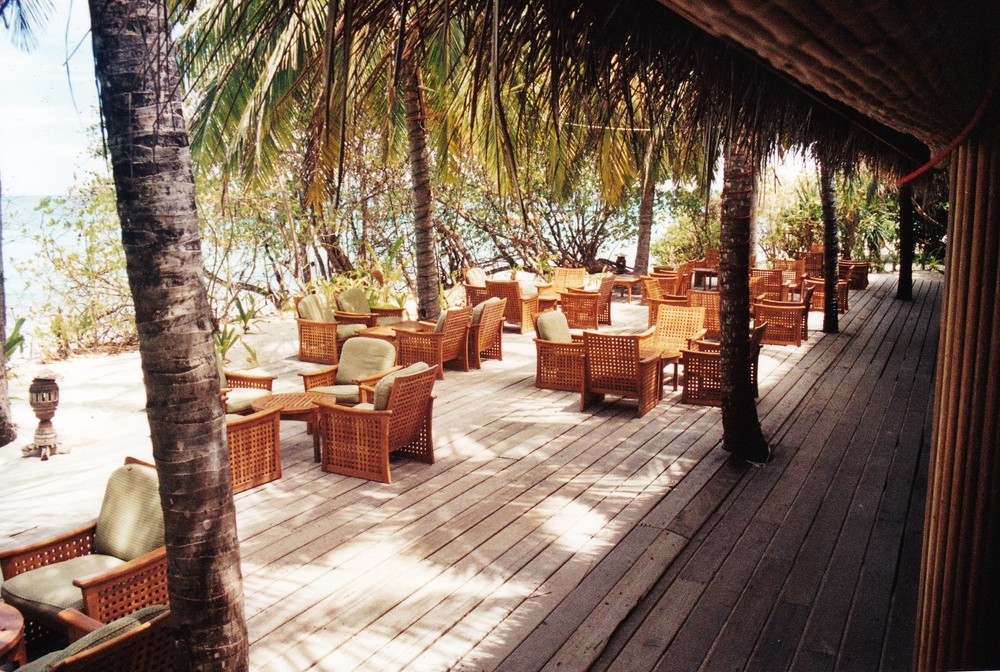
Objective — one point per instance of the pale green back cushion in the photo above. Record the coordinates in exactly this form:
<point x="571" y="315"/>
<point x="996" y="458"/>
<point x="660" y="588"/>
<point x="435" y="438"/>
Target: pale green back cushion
<point x="353" y="300"/>
<point x="552" y="326"/>
<point x="477" y="311"/>
<point x="476" y="276"/>
<point x="440" y="323"/>
<point x="131" y="521"/>
<point x="384" y="387"/>
<point x="363" y="357"/>
<point x="315" y="308"/>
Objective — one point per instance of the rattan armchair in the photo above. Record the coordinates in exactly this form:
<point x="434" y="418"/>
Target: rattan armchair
<point x="703" y="369"/>
<point x="520" y="310"/>
<point x="677" y="328"/>
<point x="667" y="300"/>
<point x="773" y="283"/>
<point x="239" y="389"/>
<point x="559" y="361"/>
<point x="364" y="361"/>
<point x="804" y="304"/>
<point x="626" y="365"/>
<point x="819" y="294"/>
<point x="353" y="308"/>
<point x="358" y="441"/>
<point x="447" y="341"/>
<point x="580" y="308"/>
<point x="793" y="271"/>
<point x="107" y="569"/>
<point x="139" y="642"/>
<point x="254" y="444"/>
<point x="563" y="279"/>
<point x="320" y="336"/>
<point x="486" y="332"/>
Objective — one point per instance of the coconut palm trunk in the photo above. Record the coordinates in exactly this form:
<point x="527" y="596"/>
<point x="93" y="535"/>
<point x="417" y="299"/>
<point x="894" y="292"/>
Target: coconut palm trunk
<point x="148" y="144"/>
<point x="831" y="250"/>
<point x="742" y="434"/>
<point x="904" y="290"/>
<point x="7" y="431"/>
<point x="428" y="282"/>
<point x="641" y="265"/>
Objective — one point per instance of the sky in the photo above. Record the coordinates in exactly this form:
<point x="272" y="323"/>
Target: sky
<point x="45" y="112"/>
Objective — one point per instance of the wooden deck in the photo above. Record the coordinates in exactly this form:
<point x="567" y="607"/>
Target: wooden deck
<point x="543" y="538"/>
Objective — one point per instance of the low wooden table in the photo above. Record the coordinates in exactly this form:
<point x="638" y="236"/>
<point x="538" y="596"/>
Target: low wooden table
<point x="300" y="406"/>
<point x="627" y="283"/>
<point x="12" y="648"/>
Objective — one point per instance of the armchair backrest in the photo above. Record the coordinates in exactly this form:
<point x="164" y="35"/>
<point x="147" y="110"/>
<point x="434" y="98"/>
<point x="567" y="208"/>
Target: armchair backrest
<point x="315" y="308"/>
<point x="772" y="281"/>
<point x="456" y="330"/>
<point x="675" y="325"/>
<point x="131" y="520"/>
<point x="566" y="278"/>
<point x="581" y="308"/>
<point x="354" y="300"/>
<point x="490" y="321"/>
<point x="410" y="403"/>
<point x="710" y="302"/>
<point x="140" y="642"/>
<point x="363" y="357"/>
<point x="606" y="287"/>
<point x="652" y="287"/>
<point x="612" y="361"/>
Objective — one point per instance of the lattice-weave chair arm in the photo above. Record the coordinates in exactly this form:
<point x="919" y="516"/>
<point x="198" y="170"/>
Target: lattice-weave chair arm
<point x="322" y="378"/>
<point x="72" y="544"/>
<point x="248" y="380"/>
<point x="120" y="591"/>
<point x="367" y="319"/>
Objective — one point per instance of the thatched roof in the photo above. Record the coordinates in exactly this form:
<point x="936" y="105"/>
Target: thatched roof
<point x="920" y="67"/>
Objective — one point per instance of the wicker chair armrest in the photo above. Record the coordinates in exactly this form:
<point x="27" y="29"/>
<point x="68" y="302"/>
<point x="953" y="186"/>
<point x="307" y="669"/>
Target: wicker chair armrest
<point x="367" y="319"/>
<point x="253" y="381"/>
<point x="542" y="286"/>
<point x="388" y="311"/>
<point x="697" y="337"/>
<point x="71" y="544"/>
<point x="321" y="378"/>
<point x="77" y="623"/>
<point x="375" y="377"/>
<point x="650" y="356"/>
<point x="580" y="290"/>
<point x="577" y="343"/>
<point x="367" y="393"/>
<point x="647" y="338"/>
<point x="427" y="325"/>
<point x="119" y="591"/>
<point x="577" y="338"/>
<point x="709" y="347"/>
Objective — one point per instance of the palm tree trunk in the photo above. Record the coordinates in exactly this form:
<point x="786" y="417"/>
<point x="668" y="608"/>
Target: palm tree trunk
<point x="7" y="431"/>
<point x="428" y="281"/>
<point x="831" y="252"/>
<point x="151" y="162"/>
<point x="741" y="432"/>
<point x="641" y="265"/>
<point x="904" y="290"/>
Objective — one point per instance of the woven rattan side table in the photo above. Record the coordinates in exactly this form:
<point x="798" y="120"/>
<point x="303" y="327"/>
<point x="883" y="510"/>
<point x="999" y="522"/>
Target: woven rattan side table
<point x="300" y="406"/>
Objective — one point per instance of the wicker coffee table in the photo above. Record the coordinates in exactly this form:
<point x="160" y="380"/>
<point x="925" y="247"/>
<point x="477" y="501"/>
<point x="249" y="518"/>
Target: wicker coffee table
<point x="12" y="648"/>
<point x="300" y="406"/>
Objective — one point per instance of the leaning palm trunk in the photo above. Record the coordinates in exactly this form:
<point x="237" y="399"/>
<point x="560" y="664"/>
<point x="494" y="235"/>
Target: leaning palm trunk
<point x="428" y="283"/>
<point x="140" y="102"/>
<point x="831" y="250"/>
<point x="742" y="434"/>
<point x="7" y="431"/>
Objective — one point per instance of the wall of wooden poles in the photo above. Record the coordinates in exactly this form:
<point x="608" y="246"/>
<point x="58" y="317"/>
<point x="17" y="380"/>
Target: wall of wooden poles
<point x="958" y="619"/>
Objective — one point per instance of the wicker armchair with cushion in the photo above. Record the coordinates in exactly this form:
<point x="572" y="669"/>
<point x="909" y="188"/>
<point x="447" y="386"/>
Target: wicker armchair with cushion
<point x="446" y="341"/>
<point x="240" y="389"/>
<point x="398" y="418"/>
<point x="677" y="328"/>
<point x="486" y="332"/>
<point x="254" y="445"/>
<point x="626" y="365"/>
<point x="106" y="569"/>
<point x="521" y="309"/>
<point x="320" y="336"/>
<point x="353" y="308"/>
<point x="363" y="361"/>
<point x="139" y="642"/>
<point x="475" y="286"/>
<point x="559" y="363"/>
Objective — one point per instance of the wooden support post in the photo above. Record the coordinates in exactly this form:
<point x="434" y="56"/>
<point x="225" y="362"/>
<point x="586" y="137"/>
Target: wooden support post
<point x="958" y="620"/>
<point x="904" y="290"/>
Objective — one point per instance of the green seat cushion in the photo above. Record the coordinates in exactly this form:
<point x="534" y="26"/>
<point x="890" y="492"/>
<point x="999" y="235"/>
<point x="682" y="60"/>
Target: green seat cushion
<point x="130" y="523"/>
<point x="365" y="407"/>
<point x="239" y="399"/>
<point x="383" y="389"/>
<point x="353" y="300"/>
<point x="477" y="311"/>
<point x="552" y="326"/>
<point x="439" y="327"/>
<point x="315" y="308"/>
<point x="96" y="638"/>
<point x="345" y="331"/>
<point x="345" y="394"/>
<point x="389" y="319"/>
<point x="234" y="416"/>
<point x="363" y="357"/>
<point x="48" y="590"/>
